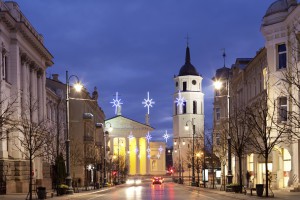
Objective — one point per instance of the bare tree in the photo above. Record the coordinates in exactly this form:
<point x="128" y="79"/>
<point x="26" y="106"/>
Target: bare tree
<point x="34" y="135"/>
<point x="240" y="136"/>
<point x="267" y="132"/>
<point x="7" y="110"/>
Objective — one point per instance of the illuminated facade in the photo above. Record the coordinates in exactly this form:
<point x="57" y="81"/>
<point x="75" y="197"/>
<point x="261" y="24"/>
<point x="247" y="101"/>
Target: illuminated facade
<point x="127" y="141"/>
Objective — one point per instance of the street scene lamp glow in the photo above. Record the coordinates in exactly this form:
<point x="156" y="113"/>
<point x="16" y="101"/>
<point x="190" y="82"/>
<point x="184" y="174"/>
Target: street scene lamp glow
<point x="218" y="85"/>
<point x="78" y="86"/>
<point x="186" y="127"/>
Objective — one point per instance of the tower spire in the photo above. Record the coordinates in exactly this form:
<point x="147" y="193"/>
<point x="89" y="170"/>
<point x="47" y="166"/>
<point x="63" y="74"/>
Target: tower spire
<point x="187" y="53"/>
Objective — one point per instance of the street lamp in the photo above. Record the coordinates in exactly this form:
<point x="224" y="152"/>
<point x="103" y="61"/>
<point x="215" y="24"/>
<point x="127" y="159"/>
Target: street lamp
<point x="193" y="150"/>
<point x="218" y="85"/>
<point x="110" y="128"/>
<point x="77" y="86"/>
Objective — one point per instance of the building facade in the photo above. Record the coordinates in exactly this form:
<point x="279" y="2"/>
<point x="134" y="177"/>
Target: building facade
<point x="273" y="71"/>
<point x="86" y="131"/>
<point x="188" y="111"/>
<point x="24" y="60"/>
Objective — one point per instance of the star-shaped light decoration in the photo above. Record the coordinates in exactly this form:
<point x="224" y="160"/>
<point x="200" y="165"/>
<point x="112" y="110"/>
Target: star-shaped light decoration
<point x="166" y="136"/>
<point x="148" y="103"/>
<point x="136" y="150"/>
<point x="148" y="150"/>
<point x="180" y="101"/>
<point x="148" y="137"/>
<point x="130" y="136"/>
<point x="158" y="155"/>
<point x="149" y="156"/>
<point x="116" y="103"/>
<point x="160" y="149"/>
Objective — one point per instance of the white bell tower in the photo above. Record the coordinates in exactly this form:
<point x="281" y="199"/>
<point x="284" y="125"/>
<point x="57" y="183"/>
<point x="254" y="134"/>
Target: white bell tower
<point x="188" y="109"/>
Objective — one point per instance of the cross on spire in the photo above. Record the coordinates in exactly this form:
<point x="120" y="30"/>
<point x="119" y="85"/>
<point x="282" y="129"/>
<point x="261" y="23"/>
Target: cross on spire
<point x="224" y="56"/>
<point x="187" y="39"/>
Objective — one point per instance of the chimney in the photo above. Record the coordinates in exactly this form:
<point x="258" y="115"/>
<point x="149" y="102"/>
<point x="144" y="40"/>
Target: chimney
<point x="55" y="77"/>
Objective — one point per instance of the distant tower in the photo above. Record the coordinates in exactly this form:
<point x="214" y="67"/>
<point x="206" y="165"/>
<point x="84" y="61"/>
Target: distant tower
<point x="188" y="84"/>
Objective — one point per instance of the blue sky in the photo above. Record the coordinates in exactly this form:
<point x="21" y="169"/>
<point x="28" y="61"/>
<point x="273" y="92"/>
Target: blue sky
<point x="135" y="46"/>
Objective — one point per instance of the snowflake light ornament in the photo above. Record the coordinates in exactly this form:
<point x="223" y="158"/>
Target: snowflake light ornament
<point x="137" y="150"/>
<point x="116" y="103"/>
<point x="160" y="149"/>
<point x="148" y="137"/>
<point x="158" y="155"/>
<point x="148" y="150"/>
<point x="166" y="136"/>
<point x="180" y="101"/>
<point x="148" y="103"/>
<point x="149" y="156"/>
<point x="130" y="136"/>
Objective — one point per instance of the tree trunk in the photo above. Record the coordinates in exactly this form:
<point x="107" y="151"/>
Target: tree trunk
<point x="240" y="171"/>
<point x="30" y="177"/>
<point x="267" y="174"/>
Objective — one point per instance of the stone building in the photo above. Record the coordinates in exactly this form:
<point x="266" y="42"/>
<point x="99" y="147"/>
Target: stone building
<point x="86" y="136"/>
<point x="24" y="60"/>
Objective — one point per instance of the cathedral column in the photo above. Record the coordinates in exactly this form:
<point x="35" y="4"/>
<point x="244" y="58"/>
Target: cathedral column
<point x="127" y="155"/>
<point x="137" y="159"/>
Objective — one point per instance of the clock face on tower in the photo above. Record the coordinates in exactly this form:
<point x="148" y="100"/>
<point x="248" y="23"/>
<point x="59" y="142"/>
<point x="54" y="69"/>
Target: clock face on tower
<point x="194" y="82"/>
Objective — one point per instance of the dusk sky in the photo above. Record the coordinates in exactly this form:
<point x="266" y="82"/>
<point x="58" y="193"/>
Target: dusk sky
<point x="135" y="46"/>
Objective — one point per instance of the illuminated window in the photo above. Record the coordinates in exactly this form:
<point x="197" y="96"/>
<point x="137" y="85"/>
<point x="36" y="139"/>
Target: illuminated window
<point x="282" y="109"/>
<point x="281" y="49"/>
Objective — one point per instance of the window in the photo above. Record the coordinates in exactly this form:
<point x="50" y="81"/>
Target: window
<point x="175" y="108"/>
<point x="184" y="108"/>
<point x="281" y="56"/>
<point x="218" y="114"/>
<point x="4" y="66"/>
<point x="194" y="107"/>
<point x="184" y="86"/>
<point x="176" y="84"/>
<point x="282" y="108"/>
<point x="194" y="82"/>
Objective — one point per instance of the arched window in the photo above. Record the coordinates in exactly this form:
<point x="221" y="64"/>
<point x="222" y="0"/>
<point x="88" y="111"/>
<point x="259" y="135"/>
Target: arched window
<point x="184" y="108"/>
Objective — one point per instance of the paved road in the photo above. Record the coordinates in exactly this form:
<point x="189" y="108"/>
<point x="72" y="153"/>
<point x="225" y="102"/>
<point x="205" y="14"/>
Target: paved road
<point x="148" y="191"/>
<point x="166" y="191"/>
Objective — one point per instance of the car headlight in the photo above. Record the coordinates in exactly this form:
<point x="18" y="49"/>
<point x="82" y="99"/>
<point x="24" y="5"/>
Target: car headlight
<point x="138" y="181"/>
<point x="129" y="181"/>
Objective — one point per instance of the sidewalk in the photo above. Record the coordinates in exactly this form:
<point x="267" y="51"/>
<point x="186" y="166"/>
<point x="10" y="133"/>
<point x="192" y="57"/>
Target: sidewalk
<point x="278" y="194"/>
<point x="22" y="196"/>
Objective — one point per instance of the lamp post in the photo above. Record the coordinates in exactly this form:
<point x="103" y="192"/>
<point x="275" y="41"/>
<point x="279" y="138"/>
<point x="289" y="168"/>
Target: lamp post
<point x="218" y="85"/>
<point x="193" y="151"/>
<point x="105" y="134"/>
<point x="78" y="88"/>
<point x="198" y="169"/>
<point x="180" y="175"/>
